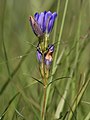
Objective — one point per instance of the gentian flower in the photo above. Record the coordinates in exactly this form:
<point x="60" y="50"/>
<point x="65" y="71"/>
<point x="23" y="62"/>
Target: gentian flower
<point x="39" y="55"/>
<point x="47" y="56"/>
<point x="43" y="23"/>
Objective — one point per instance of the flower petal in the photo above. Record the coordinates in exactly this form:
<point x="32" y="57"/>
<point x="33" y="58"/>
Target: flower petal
<point x="54" y="15"/>
<point x="48" y="63"/>
<point x="41" y="20"/>
<point x="48" y="60"/>
<point x="39" y="56"/>
<point x="44" y="27"/>
<point x="51" y="22"/>
<point x="46" y="21"/>
<point x="36" y="16"/>
<point x="36" y="28"/>
<point x="51" y="48"/>
<point x="43" y="23"/>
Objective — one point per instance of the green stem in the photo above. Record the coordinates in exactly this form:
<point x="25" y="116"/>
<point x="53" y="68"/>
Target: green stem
<point x="60" y="35"/>
<point x="43" y="72"/>
<point x="44" y="104"/>
<point x="46" y="41"/>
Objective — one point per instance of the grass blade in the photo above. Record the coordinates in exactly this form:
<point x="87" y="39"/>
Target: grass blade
<point x="78" y="98"/>
<point x="61" y="30"/>
<point x="56" y="23"/>
<point x="13" y="73"/>
<point x="56" y="80"/>
<point x="55" y="59"/>
<point x="19" y="114"/>
<point x="87" y="117"/>
<point x="38" y="81"/>
<point x="10" y="102"/>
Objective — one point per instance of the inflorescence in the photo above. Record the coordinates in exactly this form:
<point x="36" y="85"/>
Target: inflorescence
<point x="42" y="24"/>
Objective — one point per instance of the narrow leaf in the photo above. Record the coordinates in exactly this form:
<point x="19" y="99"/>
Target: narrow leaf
<point x="10" y="102"/>
<point x="57" y="79"/>
<point x="78" y="98"/>
<point x="38" y="80"/>
<point x="87" y="117"/>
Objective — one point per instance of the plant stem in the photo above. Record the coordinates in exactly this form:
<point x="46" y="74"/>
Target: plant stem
<point x="44" y="103"/>
<point x="44" y="73"/>
<point x="44" y="77"/>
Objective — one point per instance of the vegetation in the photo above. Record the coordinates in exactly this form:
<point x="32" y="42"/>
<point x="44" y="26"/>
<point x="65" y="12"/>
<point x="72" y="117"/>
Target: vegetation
<point x="21" y="89"/>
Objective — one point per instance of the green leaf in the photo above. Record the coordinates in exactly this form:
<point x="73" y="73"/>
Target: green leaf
<point x="10" y="102"/>
<point x="78" y="98"/>
<point x="87" y="117"/>
<point x="38" y="81"/>
<point x="57" y="79"/>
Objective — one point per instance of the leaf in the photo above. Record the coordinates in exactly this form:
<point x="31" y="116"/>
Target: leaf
<point x="10" y="102"/>
<point x="38" y="81"/>
<point x="78" y="98"/>
<point x="19" y="114"/>
<point x="57" y="79"/>
<point x="13" y="73"/>
<point x="62" y="102"/>
<point x="87" y="117"/>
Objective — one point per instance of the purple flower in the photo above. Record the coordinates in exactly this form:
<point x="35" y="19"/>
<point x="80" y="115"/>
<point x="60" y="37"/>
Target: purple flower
<point x="39" y="55"/>
<point x="47" y="56"/>
<point x="43" y="23"/>
<point x="51" y="48"/>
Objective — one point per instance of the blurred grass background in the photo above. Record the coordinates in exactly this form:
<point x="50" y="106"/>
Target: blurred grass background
<point x="18" y="61"/>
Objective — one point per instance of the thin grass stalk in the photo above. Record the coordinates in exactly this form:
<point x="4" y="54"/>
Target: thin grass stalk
<point x="61" y="30"/>
<point x="13" y="73"/>
<point x="87" y="117"/>
<point x="10" y="102"/>
<point x="58" y="61"/>
<point x="56" y="23"/>
<point x="62" y="101"/>
<point x="62" y="97"/>
<point x="59" y="39"/>
<point x="61" y="104"/>
<point x="71" y="74"/>
<point x="4" y="47"/>
<point x="20" y="115"/>
<point x="78" y="98"/>
<point x="77" y="56"/>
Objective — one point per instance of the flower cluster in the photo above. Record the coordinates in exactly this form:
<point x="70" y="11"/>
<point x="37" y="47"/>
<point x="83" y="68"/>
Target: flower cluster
<point x="42" y="24"/>
<point x="47" y="55"/>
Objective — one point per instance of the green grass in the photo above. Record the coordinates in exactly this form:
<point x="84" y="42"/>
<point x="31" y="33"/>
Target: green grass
<point x="21" y="92"/>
